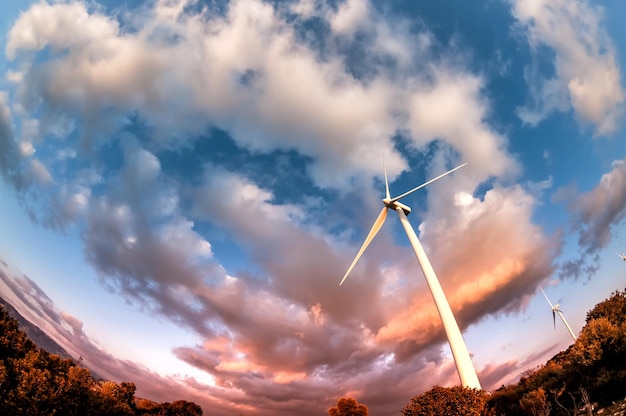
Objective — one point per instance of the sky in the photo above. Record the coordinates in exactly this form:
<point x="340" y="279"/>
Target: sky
<point x="184" y="183"/>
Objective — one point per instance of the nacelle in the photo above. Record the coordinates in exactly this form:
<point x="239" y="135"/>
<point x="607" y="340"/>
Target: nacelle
<point x="395" y="204"/>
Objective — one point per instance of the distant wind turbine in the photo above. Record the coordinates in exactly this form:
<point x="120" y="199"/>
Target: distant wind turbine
<point x="557" y="309"/>
<point x="622" y="256"/>
<point x="462" y="359"/>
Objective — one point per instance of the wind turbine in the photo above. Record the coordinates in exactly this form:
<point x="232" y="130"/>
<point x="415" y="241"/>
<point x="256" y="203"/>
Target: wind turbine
<point x="557" y="309"/>
<point x="462" y="359"/>
<point x="622" y="256"/>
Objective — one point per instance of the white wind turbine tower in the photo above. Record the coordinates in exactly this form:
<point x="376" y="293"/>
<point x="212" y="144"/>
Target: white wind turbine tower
<point x="557" y="309"/>
<point x="462" y="359"/>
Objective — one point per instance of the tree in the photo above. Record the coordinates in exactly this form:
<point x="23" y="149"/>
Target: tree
<point x="34" y="382"/>
<point x="115" y="399"/>
<point x="599" y="354"/>
<point x="13" y="342"/>
<point x="457" y="400"/>
<point x="593" y="367"/>
<point x="613" y="308"/>
<point x="535" y="403"/>
<point x="347" y="406"/>
<point x="185" y="408"/>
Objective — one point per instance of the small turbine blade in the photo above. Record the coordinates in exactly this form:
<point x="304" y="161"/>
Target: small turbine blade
<point x="375" y="228"/>
<point x="546" y="296"/>
<point x="387" y="196"/>
<point x="427" y="183"/>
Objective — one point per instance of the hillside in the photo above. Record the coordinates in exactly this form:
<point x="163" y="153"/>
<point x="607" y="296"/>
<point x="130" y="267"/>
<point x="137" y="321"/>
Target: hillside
<point x="35" y="382"/>
<point x="32" y="331"/>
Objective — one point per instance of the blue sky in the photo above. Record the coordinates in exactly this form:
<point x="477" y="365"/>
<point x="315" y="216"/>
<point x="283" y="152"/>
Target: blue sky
<point x="184" y="183"/>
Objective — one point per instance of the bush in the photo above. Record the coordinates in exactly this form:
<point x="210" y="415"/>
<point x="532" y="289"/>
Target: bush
<point x="458" y="400"/>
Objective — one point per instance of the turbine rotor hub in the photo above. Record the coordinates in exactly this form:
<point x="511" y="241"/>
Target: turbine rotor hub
<point x="394" y="205"/>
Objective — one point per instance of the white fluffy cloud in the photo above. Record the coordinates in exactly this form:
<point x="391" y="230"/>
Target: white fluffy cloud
<point x="247" y="73"/>
<point x="453" y="109"/>
<point x="349" y="17"/>
<point x="587" y="76"/>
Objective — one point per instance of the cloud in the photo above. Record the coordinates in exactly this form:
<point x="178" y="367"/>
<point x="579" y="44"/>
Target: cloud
<point x="297" y="330"/>
<point x="487" y="253"/>
<point x="493" y="376"/>
<point x="31" y="178"/>
<point x="9" y="149"/>
<point x="285" y="97"/>
<point x="137" y="239"/>
<point x="452" y="109"/>
<point x="350" y="15"/>
<point x="73" y="17"/>
<point x="69" y="204"/>
<point x="586" y="74"/>
<point x="582" y="267"/>
<point x="594" y="215"/>
<point x="596" y="212"/>
<point x="118" y="103"/>
<point x="399" y="322"/>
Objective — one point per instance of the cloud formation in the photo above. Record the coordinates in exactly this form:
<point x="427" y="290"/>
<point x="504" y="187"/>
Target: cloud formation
<point x="286" y="97"/>
<point x="586" y="74"/>
<point x="602" y="208"/>
<point x="595" y="216"/>
<point x="117" y="102"/>
<point x="17" y="164"/>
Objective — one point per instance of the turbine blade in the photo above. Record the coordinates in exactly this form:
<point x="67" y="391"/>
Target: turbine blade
<point x="375" y="228"/>
<point x="427" y="183"/>
<point x="387" y="196"/>
<point x="546" y="296"/>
